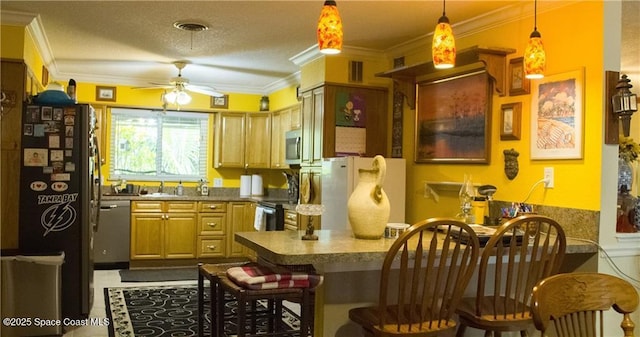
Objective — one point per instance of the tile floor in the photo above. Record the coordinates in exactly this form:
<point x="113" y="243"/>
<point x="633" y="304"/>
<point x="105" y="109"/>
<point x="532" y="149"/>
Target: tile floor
<point x="105" y="279"/>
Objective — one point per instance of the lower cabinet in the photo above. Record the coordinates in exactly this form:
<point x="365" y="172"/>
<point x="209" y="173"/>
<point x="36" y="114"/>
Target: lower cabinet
<point x="291" y="220"/>
<point x="188" y="229"/>
<point x="163" y="230"/>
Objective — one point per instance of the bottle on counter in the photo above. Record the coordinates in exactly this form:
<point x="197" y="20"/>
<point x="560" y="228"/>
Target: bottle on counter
<point x="625" y="212"/>
<point x="180" y="188"/>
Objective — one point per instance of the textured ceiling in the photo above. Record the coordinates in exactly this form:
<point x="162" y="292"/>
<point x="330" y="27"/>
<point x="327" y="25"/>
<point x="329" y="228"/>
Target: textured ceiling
<point x="247" y="47"/>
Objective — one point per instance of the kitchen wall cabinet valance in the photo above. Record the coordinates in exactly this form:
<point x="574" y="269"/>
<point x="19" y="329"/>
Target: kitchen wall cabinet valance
<point x="242" y="140"/>
<point x="493" y="59"/>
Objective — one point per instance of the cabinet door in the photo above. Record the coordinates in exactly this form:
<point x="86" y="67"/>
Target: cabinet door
<point x="277" y="139"/>
<point x="180" y="235"/>
<point x="310" y="192"/>
<point x="258" y="141"/>
<point x="296" y="117"/>
<point x="312" y="126"/>
<point x="240" y="217"/>
<point x="229" y="145"/>
<point x="147" y="236"/>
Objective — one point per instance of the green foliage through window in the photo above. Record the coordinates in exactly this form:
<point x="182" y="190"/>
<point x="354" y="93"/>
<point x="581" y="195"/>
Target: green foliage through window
<point x="152" y="145"/>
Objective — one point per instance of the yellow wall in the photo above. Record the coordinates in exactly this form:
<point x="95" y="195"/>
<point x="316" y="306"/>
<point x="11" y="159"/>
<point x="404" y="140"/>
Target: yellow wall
<point x="576" y="181"/>
<point x="12" y="42"/>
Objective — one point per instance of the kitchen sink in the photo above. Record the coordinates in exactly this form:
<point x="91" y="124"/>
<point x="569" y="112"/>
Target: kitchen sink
<point x="122" y="194"/>
<point x="157" y="194"/>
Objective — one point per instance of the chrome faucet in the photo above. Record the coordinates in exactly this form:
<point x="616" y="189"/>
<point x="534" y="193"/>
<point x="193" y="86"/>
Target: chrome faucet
<point x="161" y="187"/>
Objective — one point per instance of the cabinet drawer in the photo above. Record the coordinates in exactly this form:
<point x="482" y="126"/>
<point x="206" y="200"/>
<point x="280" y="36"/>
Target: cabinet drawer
<point x="291" y="219"/>
<point x="211" y="246"/>
<point x="212" y="206"/>
<point x="181" y="206"/>
<point x="146" y="206"/>
<point x="213" y="224"/>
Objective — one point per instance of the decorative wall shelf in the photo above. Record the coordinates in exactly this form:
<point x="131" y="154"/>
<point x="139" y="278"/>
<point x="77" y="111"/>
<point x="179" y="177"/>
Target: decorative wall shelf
<point x="493" y="59"/>
<point x="432" y="189"/>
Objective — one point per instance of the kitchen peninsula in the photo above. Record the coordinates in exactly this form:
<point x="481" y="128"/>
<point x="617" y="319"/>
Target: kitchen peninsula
<point x="350" y="267"/>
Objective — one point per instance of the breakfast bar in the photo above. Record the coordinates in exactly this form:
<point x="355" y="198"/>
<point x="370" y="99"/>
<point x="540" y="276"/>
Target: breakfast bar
<point x="350" y="267"/>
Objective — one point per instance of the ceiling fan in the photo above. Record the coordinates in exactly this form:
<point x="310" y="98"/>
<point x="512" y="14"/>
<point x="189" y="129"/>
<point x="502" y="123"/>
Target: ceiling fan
<point x="180" y="85"/>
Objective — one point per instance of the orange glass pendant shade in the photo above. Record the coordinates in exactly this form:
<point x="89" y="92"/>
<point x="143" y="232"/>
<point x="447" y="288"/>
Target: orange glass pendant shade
<point x="444" y="46"/>
<point x="534" y="57"/>
<point x="330" y="29"/>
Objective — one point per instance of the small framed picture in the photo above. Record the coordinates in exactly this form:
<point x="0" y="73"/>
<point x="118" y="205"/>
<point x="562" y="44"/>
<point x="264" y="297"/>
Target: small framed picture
<point x="510" y="119"/>
<point x="221" y="102"/>
<point x="106" y="94"/>
<point x="518" y="84"/>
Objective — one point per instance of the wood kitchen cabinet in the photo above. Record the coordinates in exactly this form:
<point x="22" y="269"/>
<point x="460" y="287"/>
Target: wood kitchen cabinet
<point x="291" y="220"/>
<point x="241" y="216"/>
<point x="328" y="131"/>
<point x="282" y="121"/>
<point x="163" y="229"/>
<point x="310" y="191"/>
<point x="242" y="140"/>
<point x="212" y="229"/>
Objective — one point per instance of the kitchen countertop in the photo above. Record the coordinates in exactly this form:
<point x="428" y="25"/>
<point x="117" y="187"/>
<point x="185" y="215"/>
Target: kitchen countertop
<point x="335" y="246"/>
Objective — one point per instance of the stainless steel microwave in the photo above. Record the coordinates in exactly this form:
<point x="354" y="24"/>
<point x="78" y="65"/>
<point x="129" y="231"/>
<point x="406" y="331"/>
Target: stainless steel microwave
<point x="292" y="147"/>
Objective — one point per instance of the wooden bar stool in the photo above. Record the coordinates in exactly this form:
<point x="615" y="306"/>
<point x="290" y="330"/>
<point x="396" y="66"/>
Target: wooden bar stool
<point x="220" y="285"/>
<point x="210" y="272"/>
<point x="274" y="298"/>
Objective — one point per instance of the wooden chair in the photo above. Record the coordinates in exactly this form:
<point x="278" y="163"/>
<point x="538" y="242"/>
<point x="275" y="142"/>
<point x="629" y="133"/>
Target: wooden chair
<point x="523" y="251"/>
<point x="574" y="303"/>
<point x="423" y="277"/>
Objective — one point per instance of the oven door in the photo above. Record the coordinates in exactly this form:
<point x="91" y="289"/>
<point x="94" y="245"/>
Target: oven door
<point x="269" y="218"/>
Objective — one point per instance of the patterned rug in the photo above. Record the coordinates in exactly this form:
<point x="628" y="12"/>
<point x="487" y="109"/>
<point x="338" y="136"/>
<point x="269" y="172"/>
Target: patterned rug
<point x="165" y="311"/>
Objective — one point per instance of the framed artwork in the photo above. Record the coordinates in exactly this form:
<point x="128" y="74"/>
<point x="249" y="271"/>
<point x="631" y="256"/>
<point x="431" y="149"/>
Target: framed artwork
<point x="221" y="102"/>
<point x="106" y="94"/>
<point x="45" y="76"/>
<point x="518" y="84"/>
<point x="453" y="119"/>
<point x="510" y="121"/>
<point x="557" y="116"/>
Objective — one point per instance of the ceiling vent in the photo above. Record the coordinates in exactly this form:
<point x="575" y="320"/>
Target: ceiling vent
<point x="355" y="71"/>
<point x="190" y="26"/>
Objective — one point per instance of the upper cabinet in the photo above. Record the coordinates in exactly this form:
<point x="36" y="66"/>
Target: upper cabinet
<point x="340" y="120"/>
<point x="282" y="121"/>
<point x="242" y="140"/>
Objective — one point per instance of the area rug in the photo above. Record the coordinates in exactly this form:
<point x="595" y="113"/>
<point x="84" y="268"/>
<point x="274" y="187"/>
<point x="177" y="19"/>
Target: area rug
<point x="159" y="275"/>
<point x="166" y="311"/>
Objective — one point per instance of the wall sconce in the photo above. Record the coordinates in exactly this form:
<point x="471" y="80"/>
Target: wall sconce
<point x="264" y="103"/>
<point x="624" y="103"/>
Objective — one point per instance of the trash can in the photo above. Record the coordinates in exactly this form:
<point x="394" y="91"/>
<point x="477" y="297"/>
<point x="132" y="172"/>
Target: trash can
<point x="31" y="294"/>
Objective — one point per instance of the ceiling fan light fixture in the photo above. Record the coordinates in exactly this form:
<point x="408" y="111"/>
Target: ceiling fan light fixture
<point x="443" y="47"/>
<point x="182" y="98"/>
<point x="190" y="26"/>
<point x="170" y="97"/>
<point x="535" y="59"/>
<point x="330" y="29"/>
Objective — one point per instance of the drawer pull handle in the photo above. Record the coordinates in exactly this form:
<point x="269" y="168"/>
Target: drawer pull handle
<point x="212" y="247"/>
<point x="213" y="206"/>
<point x="291" y="216"/>
<point x="212" y="224"/>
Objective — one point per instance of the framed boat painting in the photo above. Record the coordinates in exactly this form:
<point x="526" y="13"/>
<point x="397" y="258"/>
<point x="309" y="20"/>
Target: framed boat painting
<point x="557" y="116"/>
<point x="453" y="118"/>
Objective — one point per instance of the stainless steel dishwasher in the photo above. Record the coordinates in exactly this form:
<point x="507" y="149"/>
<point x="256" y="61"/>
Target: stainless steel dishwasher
<point x="111" y="241"/>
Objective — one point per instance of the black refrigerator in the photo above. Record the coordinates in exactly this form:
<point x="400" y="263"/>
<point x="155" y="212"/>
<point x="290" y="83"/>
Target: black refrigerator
<point x="59" y="195"/>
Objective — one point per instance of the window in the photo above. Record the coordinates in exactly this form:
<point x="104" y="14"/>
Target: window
<point x="152" y="145"/>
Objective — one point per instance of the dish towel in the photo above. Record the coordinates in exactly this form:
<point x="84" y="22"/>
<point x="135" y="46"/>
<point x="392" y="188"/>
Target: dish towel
<point x="257" y="276"/>
<point x="260" y="221"/>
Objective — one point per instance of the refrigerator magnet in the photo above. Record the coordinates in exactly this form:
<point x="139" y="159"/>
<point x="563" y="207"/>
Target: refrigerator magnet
<point x="35" y="157"/>
<point x="57" y="114"/>
<point x="47" y="113"/>
<point x="54" y="141"/>
<point x="57" y="155"/>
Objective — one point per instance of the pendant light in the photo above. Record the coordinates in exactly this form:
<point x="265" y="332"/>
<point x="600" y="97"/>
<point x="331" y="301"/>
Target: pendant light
<point x="443" y="47"/>
<point x="330" y="29"/>
<point x="534" y="56"/>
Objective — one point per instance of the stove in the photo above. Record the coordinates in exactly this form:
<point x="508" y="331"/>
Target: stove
<point x="273" y="214"/>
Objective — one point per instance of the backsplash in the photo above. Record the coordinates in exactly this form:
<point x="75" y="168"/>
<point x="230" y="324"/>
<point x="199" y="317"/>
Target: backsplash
<point x="577" y="223"/>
